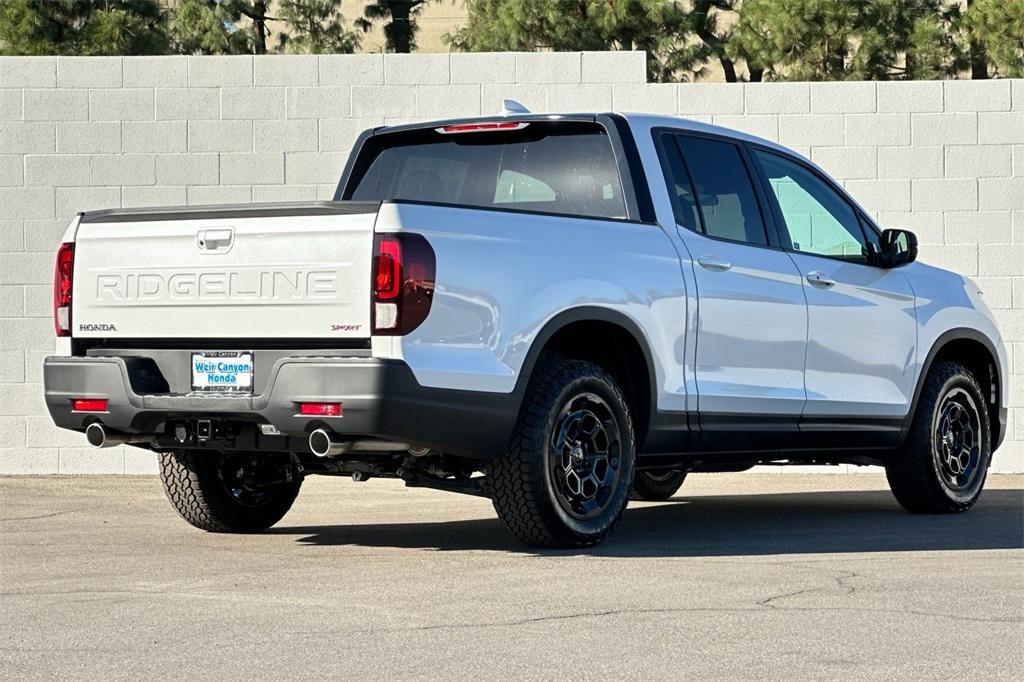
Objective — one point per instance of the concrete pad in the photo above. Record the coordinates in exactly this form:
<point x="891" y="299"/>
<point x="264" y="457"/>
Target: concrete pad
<point x="741" y="576"/>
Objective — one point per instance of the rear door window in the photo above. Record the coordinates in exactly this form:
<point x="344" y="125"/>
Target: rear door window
<point x="723" y="189"/>
<point x="565" y="168"/>
<point x="680" y="187"/>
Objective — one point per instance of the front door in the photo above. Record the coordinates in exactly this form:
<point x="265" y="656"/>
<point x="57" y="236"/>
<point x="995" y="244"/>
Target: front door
<point x="862" y="329"/>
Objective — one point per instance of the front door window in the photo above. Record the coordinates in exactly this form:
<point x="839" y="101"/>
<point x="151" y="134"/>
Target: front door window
<point x="817" y="219"/>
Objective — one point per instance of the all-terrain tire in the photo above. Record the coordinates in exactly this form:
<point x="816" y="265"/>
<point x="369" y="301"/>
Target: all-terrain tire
<point x="194" y="484"/>
<point x="657" y="486"/>
<point x="916" y="475"/>
<point x="525" y="494"/>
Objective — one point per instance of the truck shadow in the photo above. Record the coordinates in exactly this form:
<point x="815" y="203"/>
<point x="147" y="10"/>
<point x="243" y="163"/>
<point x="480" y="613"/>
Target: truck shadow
<point x="729" y="525"/>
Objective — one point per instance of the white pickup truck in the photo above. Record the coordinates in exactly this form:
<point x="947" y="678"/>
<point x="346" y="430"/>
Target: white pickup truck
<point x="557" y="312"/>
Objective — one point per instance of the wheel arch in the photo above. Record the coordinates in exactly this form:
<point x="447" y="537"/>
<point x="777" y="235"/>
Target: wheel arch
<point x="625" y="353"/>
<point x="978" y="353"/>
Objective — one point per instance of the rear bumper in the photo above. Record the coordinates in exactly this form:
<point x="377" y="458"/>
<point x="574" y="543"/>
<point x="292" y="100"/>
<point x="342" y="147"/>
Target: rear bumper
<point x="380" y="399"/>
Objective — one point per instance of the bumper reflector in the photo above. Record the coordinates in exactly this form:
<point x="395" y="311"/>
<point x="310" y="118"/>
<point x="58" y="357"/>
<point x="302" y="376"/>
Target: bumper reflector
<point x="89" y="405"/>
<point x="320" y="409"/>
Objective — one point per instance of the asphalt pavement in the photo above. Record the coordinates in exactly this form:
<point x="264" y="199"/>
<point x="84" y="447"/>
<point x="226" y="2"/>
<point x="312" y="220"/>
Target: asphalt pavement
<point x="743" y="576"/>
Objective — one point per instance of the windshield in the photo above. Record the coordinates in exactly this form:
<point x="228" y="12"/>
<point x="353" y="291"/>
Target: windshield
<point x="563" y="168"/>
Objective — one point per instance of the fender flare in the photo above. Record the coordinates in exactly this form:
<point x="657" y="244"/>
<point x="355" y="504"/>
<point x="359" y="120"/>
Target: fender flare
<point x="587" y="314"/>
<point x="948" y="336"/>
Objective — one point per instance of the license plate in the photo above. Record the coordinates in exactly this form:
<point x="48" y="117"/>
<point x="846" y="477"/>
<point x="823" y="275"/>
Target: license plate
<point x="222" y="371"/>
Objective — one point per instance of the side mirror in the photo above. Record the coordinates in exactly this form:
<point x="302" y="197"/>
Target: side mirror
<point x="898" y="247"/>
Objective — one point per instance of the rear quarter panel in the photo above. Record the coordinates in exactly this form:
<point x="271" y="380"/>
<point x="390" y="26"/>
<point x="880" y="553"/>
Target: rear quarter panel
<point x="501" y="276"/>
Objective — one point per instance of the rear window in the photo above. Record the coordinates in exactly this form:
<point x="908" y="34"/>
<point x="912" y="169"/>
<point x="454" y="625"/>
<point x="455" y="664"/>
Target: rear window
<point x="564" y="168"/>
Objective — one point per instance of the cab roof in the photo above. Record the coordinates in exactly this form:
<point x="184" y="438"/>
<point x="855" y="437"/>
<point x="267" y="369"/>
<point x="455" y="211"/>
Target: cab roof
<point x="636" y="120"/>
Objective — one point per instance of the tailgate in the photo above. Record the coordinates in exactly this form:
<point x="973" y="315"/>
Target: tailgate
<point x="275" y="271"/>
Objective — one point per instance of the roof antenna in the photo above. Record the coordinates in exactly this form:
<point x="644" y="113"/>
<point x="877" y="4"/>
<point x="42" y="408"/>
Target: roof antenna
<point x="510" y="106"/>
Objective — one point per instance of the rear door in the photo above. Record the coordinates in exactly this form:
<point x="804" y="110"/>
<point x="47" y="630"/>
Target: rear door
<point x="752" y="314"/>
<point x="862" y="325"/>
<point x="250" y="272"/>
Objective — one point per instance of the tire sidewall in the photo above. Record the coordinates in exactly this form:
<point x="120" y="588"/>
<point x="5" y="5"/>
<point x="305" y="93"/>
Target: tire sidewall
<point x="968" y="495"/>
<point x="597" y="526"/>
<point x="194" y="485"/>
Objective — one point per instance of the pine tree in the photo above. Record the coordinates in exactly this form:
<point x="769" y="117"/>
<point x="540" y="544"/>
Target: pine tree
<point x="662" y="29"/>
<point x="209" y="27"/>
<point x="839" y="39"/>
<point x="314" y="27"/>
<point x="706" y="25"/>
<point x="997" y="26"/>
<point x="221" y="26"/>
<point x="401" y="17"/>
<point x="82" y="27"/>
<point x="256" y="12"/>
<point x="242" y="26"/>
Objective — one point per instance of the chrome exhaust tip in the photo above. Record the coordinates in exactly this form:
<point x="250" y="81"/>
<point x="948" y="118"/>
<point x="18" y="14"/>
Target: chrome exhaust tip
<point x="96" y="435"/>
<point x="322" y="443"/>
<point x="100" y="436"/>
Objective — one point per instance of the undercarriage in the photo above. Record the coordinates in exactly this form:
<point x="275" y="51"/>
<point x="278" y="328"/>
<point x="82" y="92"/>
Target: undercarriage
<point x="258" y="455"/>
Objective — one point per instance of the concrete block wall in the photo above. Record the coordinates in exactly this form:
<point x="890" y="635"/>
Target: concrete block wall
<point x="945" y="159"/>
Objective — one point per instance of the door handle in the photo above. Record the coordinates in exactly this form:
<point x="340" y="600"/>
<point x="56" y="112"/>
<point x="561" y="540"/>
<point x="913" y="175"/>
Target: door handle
<point x="215" y="240"/>
<point x="714" y="263"/>
<point x="820" y="280"/>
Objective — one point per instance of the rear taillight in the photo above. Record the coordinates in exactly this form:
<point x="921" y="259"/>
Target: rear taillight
<point x="388" y="279"/>
<point x="403" y="282"/>
<point x="62" y="289"/>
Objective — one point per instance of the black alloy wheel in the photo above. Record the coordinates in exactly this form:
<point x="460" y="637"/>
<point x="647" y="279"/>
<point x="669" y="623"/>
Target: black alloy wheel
<point x="584" y="460"/>
<point x="957" y="439"/>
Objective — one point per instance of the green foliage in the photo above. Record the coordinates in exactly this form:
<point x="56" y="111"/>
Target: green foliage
<point x="81" y="27"/>
<point x="400" y="15"/>
<point x="998" y="26"/>
<point x="658" y="27"/>
<point x="209" y="27"/>
<point x="241" y="27"/>
<point x="935" y="48"/>
<point x="556" y="24"/>
<point x="840" y="40"/>
<point x="750" y="39"/>
<point x="221" y="26"/>
<point x="315" y="27"/>
<point x="705" y="19"/>
<point x="777" y="39"/>
<point x="24" y="30"/>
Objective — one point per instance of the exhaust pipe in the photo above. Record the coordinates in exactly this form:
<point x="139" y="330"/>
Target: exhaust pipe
<point x="324" y="443"/>
<point x="100" y="436"/>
